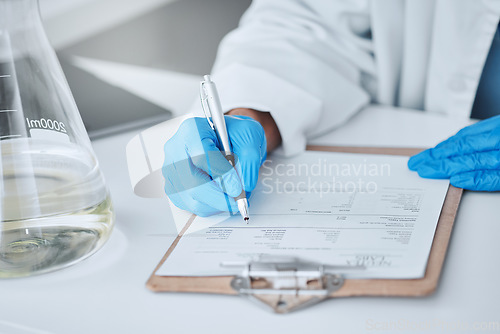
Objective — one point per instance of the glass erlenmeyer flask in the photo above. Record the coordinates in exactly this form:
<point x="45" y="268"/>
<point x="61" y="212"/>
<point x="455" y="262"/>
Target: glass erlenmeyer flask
<point x="54" y="205"/>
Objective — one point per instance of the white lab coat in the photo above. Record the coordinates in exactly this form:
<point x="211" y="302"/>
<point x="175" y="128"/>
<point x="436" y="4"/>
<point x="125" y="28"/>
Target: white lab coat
<point x="314" y="63"/>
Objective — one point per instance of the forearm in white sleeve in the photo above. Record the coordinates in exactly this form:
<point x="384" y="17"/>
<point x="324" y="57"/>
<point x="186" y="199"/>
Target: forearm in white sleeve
<point x="293" y="59"/>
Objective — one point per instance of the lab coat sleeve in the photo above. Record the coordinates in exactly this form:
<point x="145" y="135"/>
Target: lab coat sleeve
<point x="288" y="59"/>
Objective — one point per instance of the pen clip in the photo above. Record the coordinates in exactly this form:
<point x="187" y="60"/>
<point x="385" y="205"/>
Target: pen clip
<point x="205" y="106"/>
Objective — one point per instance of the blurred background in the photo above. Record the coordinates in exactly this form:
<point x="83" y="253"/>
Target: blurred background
<point x="131" y="64"/>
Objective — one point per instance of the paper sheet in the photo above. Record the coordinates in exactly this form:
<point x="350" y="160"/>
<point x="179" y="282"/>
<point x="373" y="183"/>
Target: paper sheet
<point x="332" y="208"/>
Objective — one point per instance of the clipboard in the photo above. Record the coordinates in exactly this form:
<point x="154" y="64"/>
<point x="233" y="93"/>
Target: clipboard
<point x="285" y="289"/>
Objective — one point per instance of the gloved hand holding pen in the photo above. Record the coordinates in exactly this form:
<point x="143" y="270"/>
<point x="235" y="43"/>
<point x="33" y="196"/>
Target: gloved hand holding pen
<point x="198" y="178"/>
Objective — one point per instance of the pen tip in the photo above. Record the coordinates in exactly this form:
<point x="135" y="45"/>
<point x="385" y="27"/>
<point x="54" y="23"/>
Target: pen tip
<point x="246" y="219"/>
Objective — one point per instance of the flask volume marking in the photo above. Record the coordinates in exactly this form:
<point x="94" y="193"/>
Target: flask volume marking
<point x="9" y="136"/>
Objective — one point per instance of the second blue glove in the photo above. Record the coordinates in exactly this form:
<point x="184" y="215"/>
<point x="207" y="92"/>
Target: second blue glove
<point x="470" y="159"/>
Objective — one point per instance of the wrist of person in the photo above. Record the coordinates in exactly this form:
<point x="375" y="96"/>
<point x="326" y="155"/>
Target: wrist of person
<point x="271" y="130"/>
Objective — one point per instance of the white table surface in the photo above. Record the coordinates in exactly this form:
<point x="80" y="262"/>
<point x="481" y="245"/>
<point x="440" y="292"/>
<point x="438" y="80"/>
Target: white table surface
<point x="106" y="293"/>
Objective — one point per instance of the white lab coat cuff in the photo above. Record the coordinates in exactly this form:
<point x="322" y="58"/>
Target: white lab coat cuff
<point x="294" y="110"/>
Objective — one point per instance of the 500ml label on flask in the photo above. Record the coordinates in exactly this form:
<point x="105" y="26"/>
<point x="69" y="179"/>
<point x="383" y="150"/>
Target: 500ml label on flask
<point x="46" y="128"/>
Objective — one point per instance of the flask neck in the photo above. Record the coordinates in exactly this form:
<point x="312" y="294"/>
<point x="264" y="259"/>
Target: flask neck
<point x="19" y="15"/>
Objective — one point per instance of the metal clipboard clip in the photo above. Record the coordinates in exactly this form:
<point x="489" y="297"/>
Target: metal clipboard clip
<point x="285" y="283"/>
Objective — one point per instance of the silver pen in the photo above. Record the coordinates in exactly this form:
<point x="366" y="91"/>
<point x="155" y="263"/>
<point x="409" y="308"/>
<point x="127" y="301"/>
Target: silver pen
<point x="210" y="103"/>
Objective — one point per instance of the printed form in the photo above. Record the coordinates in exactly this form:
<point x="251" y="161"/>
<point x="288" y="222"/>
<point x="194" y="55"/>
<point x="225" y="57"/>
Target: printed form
<point x="331" y="208"/>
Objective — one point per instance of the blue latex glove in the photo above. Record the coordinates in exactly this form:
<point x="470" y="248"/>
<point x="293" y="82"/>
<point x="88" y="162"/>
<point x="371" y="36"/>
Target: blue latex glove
<point x="198" y="178"/>
<point x="471" y="158"/>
